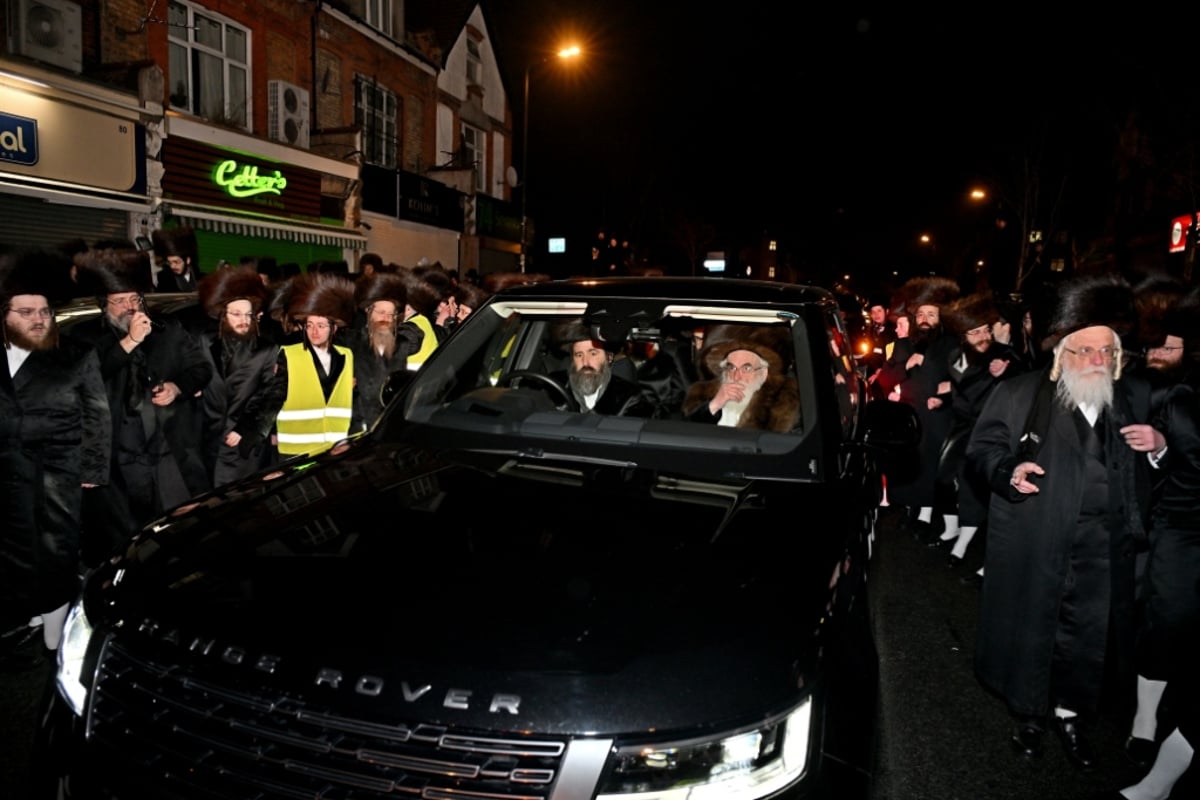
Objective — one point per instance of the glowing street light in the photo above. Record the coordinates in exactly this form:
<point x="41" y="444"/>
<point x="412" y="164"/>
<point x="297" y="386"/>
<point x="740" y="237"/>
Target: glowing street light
<point x="565" y="53"/>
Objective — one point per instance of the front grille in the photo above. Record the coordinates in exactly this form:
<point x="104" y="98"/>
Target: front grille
<point x="206" y="740"/>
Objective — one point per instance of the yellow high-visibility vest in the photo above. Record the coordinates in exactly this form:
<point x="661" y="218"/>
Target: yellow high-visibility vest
<point x="429" y="342"/>
<point x="305" y="423"/>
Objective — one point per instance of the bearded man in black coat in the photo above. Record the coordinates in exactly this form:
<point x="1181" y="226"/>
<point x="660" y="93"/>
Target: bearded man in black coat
<point x="244" y="396"/>
<point x="153" y="373"/>
<point x="57" y="439"/>
<point x="381" y="344"/>
<point x="926" y="386"/>
<point x="1067" y="454"/>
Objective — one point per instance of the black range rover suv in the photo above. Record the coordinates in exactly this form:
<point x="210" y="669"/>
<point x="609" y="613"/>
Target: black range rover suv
<point x="492" y="596"/>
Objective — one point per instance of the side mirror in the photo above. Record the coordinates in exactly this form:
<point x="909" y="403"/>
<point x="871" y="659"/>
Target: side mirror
<point x="891" y="431"/>
<point x="396" y="383"/>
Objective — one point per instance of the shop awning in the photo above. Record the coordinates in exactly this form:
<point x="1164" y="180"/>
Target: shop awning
<point x="305" y="233"/>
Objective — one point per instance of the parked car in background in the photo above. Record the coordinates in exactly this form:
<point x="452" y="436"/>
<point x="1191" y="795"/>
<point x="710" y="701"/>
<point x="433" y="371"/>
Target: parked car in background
<point x="494" y="595"/>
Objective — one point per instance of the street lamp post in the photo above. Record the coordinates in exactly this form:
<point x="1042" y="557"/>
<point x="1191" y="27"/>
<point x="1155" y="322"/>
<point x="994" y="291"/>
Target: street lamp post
<point x="565" y="53"/>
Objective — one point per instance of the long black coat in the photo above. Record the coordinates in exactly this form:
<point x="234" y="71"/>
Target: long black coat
<point x="1029" y="542"/>
<point x="1168" y="643"/>
<point x="171" y="354"/>
<point x="244" y="396"/>
<point x="917" y="488"/>
<point x="55" y="435"/>
<point x="372" y="371"/>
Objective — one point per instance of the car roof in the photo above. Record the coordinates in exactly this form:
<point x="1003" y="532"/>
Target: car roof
<point x="717" y="290"/>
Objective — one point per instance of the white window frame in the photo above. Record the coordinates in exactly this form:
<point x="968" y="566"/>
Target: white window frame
<point x="380" y="129"/>
<point x="183" y="48"/>
<point x="474" y="63"/>
<point x="474" y="148"/>
<point x="378" y="14"/>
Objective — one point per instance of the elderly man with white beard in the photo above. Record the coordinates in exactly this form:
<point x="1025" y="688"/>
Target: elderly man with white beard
<point x="1067" y="456"/>
<point x="750" y="391"/>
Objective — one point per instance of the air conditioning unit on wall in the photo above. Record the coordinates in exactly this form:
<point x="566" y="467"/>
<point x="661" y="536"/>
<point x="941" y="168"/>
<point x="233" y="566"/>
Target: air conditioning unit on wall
<point x="288" y="113"/>
<point x="49" y="31"/>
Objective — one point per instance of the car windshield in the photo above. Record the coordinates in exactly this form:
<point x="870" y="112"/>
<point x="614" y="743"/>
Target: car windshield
<point x="504" y="384"/>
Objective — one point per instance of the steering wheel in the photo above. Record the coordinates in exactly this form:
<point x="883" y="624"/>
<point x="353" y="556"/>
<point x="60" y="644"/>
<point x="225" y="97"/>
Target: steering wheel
<point x="556" y="388"/>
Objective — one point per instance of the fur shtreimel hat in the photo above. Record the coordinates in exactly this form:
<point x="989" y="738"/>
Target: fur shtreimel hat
<point x="422" y="295"/>
<point x="970" y="312"/>
<point x="219" y="289"/>
<point x="715" y="354"/>
<point x="322" y="294"/>
<point x="470" y="295"/>
<point x="1157" y="300"/>
<point x="34" y="271"/>
<point x="1094" y="300"/>
<point x="381" y="286"/>
<point x="174" y="242"/>
<point x="114" y="271"/>
<point x="929" y="291"/>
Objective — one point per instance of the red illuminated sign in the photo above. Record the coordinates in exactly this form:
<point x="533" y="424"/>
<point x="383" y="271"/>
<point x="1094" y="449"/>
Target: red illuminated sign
<point x="1179" y="229"/>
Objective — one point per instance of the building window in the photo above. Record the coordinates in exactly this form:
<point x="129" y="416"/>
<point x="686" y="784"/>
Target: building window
<point x="474" y="63"/>
<point x="375" y="112"/>
<point x="379" y="15"/>
<point x="474" y="150"/>
<point x="209" y="66"/>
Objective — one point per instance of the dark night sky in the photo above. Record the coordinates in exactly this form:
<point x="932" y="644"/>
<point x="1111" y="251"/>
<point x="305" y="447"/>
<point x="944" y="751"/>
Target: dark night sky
<point x="847" y="128"/>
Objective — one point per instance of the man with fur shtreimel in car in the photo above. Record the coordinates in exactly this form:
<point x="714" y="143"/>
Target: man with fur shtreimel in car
<point x="750" y="390"/>
<point x="318" y="406"/>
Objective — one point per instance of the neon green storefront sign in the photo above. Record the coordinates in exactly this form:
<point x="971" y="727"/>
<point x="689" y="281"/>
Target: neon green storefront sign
<point x="245" y="181"/>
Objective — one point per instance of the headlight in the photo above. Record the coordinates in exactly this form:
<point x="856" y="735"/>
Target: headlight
<point x="77" y="633"/>
<point x="744" y="764"/>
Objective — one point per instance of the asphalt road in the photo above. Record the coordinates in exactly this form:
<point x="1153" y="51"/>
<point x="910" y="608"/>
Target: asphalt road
<point x="942" y="737"/>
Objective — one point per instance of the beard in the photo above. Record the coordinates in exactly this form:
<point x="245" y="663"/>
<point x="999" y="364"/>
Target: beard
<point x="383" y="339"/>
<point x="27" y="342"/>
<point x="922" y="336"/>
<point x="1088" y="386"/>
<point x="977" y="357"/>
<point x="732" y="410"/>
<point x="121" y="321"/>
<point x="228" y="332"/>
<point x="586" y="380"/>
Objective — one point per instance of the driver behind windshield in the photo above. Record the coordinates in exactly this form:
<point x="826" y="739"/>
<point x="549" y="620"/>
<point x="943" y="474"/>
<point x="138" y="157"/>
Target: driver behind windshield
<point x="591" y="381"/>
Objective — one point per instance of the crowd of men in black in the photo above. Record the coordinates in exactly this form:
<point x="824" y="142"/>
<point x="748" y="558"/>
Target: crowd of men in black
<point x="1068" y="448"/>
<point x="110" y="420"/>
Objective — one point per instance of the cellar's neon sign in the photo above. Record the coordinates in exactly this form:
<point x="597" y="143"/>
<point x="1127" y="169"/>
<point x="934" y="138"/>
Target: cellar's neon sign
<point x="245" y="181"/>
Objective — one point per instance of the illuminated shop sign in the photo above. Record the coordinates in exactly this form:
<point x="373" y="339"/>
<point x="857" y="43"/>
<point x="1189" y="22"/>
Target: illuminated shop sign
<point x="245" y="180"/>
<point x="18" y="140"/>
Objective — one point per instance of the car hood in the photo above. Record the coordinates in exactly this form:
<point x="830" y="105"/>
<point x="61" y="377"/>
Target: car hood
<point x="484" y="590"/>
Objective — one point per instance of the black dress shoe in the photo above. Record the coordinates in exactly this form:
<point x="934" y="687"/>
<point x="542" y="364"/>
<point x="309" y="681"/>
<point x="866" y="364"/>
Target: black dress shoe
<point x="1027" y="741"/>
<point x="953" y="561"/>
<point x="938" y="541"/>
<point x="1141" y="752"/>
<point x="974" y="579"/>
<point x="1076" y="748"/>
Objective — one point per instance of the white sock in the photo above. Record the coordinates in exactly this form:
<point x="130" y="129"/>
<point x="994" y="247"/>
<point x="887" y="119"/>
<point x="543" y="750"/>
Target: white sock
<point x="925" y="514"/>
<point x="52" y="624"/>
<point x="980" y="572"/>
<point x="951" y="531"/>
<point x="1174" y="757"/>
<point x="1145" y="719"/>
<point x="964" y="539"/>
<point x="1064" y="713"/>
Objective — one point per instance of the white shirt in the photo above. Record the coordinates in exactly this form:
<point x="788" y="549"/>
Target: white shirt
<point x="16" y="357"/>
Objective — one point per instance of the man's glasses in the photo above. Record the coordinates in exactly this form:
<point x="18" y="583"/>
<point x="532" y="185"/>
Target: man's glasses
<point x="126" y="302"/>
<point x="1105" y="352"/>
<point x="1164" y="349"/>
<point x="239" y="315"/>
<point x="316" y="326"/>
<point x="30" y="313"/>
<point x="745" y="369"/>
